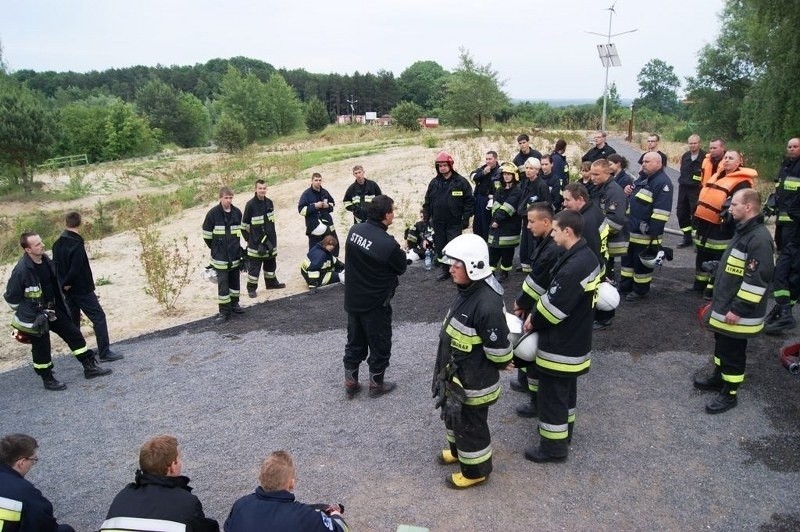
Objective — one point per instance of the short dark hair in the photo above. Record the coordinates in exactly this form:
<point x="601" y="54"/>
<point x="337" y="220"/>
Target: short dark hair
<point x="656" y="135"/>
<point x="542" y="208"/>
<point x="492" y="153"/>
<point x="546" y="156"/>
<point x="329" y="240"/>
<point x="523" y="137"/>
<point x="571" y="219"/>
<point x="225" y="191"/>
<point x="718" y="139"/>
<point x="157" y="454"/>
<point x="601" y="163"/>
<point x="381" y="206"/>
<point x="578" y="190"/>
<point x="73" y="219"/>
<point x="616" y="158"/>
<point x="16" y="446"/>
<point x="23" y="238"/>
<point x="260" y="182"/>
<point x="316" y="174"/>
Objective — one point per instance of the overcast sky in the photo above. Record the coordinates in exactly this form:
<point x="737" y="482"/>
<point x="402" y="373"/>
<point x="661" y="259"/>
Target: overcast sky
<point x="540" y="47"/>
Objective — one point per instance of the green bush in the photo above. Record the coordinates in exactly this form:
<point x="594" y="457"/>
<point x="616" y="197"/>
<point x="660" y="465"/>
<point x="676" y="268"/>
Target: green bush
<point x="406" y="114"/>
<point x="317" y="117"/>
<point x="230" y="135"/>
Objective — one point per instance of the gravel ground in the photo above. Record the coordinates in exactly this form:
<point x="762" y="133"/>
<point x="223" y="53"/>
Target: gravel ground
<point x="644" y="454"/>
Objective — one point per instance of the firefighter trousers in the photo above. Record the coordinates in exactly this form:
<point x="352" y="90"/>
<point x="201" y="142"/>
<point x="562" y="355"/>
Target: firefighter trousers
<point x="786" y="280"/>
<point x="471" y="442"/>
<point x="730" y="359"/>
<point x="64" y="328"/>
<point x="254" y="269"/>
<point x="369" y="337"/>
<point x="557" y="399"/>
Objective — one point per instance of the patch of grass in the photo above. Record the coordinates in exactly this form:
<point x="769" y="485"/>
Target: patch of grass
<point x="102" y="281"/>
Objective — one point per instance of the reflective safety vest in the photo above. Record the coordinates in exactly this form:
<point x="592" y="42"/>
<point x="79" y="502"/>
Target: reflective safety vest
<point x="717" y="190"/>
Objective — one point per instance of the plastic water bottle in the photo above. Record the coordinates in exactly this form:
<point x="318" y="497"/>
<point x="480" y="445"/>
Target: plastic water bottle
<point x="428" y="260"/>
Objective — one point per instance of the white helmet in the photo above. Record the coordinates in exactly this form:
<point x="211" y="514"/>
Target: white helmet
<point x="411" y="256"/>
<point x="651" y="257"/>
<point x="209" y="274"/>
<point x="607" y="296"/>
<point x="470" y="249"/>
<point x="527" y="346"/>
<point x="320" y="229"/>
<point x="514" y="328"/>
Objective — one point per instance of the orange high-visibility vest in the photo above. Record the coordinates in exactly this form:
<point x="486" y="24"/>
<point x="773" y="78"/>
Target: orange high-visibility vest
<point x="718" y="189"/>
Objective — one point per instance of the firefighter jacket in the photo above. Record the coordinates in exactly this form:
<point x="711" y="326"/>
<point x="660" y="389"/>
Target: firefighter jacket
<point x="544" y="257"/>
<point x="595" y="233"/>
<point x="314" y="216"/>
<point x="473" y="344"/>
<point x="417" y="233"/>
<point x="623" y="179"/>
<point x="787" y="191"/>
<point x="708" y="168"/>
<point x="318" y="266"/>
<point x="448" y="201"/>
<point x="520" y="158"/>
<point x="531" y="192"/>
<point x="25" y="296"/>
<point x="613" y="203"/>
<point x="279" y="511"/>
<point x="358" y="197"/>
<point x="716" y="192"/>
<point x="504" y="214"/>
<point x="258" y="228"/>
<point x="650" y="206"/>
<point x="661" y="154"/>
<point x="554" y="185"/>
<point x="692" y="169"/>
<point x="486" y="182"/>
<point x="742" y="281"/>
<point x="23" y="508"/>
<point x="564" y="314"/>
<point x="152" y="496"/>
<point x="72" y="264"/>
<point x="595" y="153"/>
<point x="222" y="232"/>
<point x="374" y="262"/>
<point x="560" y="168"/>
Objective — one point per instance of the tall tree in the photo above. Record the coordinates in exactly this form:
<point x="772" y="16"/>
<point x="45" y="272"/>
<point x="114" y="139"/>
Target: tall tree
<point x="658" y="86"/>
<point x="181" y="117"/>
<point x="472" y="93"/>
<point x="317" y="117"/>
<point x="422" y="83"/>
<point x="28" y="130"/>
<point x="285" y="112"/>
<point x="245" y="100"/>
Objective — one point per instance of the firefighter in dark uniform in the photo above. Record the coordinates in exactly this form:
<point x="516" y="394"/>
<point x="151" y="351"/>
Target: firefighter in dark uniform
<point x="222" y="229"/>
<point x="504" y="228"/>
<point x="786" y="284"/>
<point x="320" y="267"/>
<point x="374" y="262"/>
<point x="419" y="237"/>
<point x="613" y="203"/>
<point x="448" y="206"/>
<point x="739" y="306"/>
<point x="713" y="230"/>
<point x="23" y="508"/>
<point x="316" y="205"/>
<point x="533" y="189"/>
<point x="600" y="150"/>
<point x="689" y="188"/>
<point x="710" y="250"/>
<point x="258" y="229"/>
<point x="563" y="320"/>
<point x="360" y="194"/>
<point x="544" y="257"/>
<point x="487" y="181"/>
<point x="650" y="206"/>
<point x="473" y="347"/>
<point x="39" y="307"/>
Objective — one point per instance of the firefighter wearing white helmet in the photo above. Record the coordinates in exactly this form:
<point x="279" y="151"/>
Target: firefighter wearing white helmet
<point x="448" y="206"/>
<point x="563" y="318"/>
<point x="504" y="227"/>
<point x="316" y="205"/>
<point x="473" y="347"/>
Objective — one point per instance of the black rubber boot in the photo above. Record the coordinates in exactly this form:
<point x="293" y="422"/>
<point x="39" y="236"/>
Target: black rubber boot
<point x="91" y="368"/>
<point x="351" y="385"/>
<point x="687" y="241"/>
<point x="723" y="402"/>
<point x="784" y="321"/>
<point x="274" y="284"/>
<point x="710" y="383"/>
<point x="50" y="382"/>
<point x="378" y="386"/>
<point x="529" y="409"/>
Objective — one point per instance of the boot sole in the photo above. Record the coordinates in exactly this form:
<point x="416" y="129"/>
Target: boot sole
<point x="95" y="375"/>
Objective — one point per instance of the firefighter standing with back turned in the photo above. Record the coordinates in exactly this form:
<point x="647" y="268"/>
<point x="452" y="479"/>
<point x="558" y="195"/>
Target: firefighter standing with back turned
<point x="473" y="347"/>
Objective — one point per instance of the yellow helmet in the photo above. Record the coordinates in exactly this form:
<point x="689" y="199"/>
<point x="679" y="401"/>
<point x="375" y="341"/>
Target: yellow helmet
<point x="509" y="168"/>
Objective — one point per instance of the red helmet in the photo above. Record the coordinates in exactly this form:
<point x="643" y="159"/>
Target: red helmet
<point x="702" y="312"/>
<point x="790" y="358"/>
<point x="20" y="336"/>
<point x="445" y="157"/>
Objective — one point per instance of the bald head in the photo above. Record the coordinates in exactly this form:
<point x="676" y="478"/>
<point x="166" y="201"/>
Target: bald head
<point x="793" y="148"/>
<point x="651" y="163"/>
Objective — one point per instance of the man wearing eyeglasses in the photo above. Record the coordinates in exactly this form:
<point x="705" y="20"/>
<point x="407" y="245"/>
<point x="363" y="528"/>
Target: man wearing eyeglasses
<point x="23" y="508"/>
<point x="652" y="145"/>
<point x="601" y="150"/>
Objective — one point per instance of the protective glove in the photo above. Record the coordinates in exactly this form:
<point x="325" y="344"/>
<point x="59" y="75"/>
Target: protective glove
<point x="644" y="227"/>
<point x="709" y="266"/>
<point x="41" y="322"/>
<point x="265" y="246"/>
<point x="451" y="411"/>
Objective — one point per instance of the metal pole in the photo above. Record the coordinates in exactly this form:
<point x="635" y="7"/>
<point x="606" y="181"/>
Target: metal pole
<point x="608" y="63"/>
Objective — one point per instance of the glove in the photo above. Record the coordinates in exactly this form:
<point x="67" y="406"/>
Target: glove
<point x="709" y="266"/>
<point x="644" y="227"/>
<point x="451" y="411"/>
<point x="265" y="247"/>
<point x="41" y="322"/>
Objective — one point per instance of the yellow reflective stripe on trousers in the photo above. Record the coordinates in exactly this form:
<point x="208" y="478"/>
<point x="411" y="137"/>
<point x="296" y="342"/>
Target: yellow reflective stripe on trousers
<point x="745" y="325"/>
<point x="561" y="363"/>
<point x="475" y="457"/>
<point x="553" y="432"/>
<point x="483" y="396"/>
<point x="733" y="379"/>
